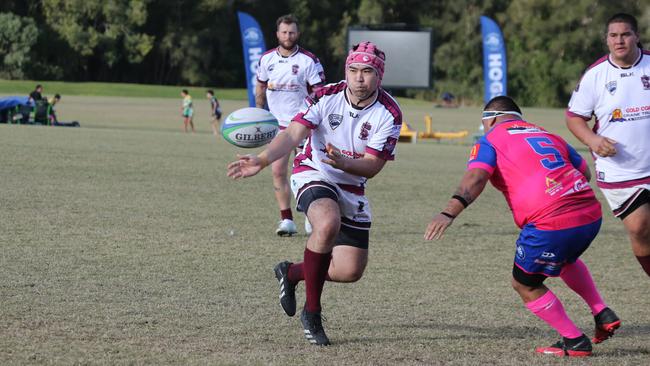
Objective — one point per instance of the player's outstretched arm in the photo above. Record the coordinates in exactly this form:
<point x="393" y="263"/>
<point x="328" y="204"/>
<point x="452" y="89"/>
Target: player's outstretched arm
<point x="471" y="186"/>
<point x="368" y="166"/>
<point x="249" y="165"/>
<point x="602" y="146"/>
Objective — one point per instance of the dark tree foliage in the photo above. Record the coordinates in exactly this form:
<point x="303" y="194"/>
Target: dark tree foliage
<point x="197" y="42"/>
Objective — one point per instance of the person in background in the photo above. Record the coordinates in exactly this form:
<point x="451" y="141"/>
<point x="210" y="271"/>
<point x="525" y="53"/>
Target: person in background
<point x="286" y="75"/>
<point x="187" y="110"/>
<point x="215" y="111"/>
<point x="37" y="93"/>
<point x="53" y="102"/>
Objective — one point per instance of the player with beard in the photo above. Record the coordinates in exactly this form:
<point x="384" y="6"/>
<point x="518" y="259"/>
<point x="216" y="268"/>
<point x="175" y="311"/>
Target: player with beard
<point x="352" y="128"/>
<point x="285" y="76"/>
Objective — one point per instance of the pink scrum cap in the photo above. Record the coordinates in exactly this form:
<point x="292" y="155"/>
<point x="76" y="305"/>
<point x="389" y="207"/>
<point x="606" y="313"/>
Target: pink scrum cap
<point x="367" y="53"/>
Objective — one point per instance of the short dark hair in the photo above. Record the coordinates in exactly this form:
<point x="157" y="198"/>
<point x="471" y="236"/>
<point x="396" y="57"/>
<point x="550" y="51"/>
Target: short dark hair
<point x="502" y="103"/>
<point x="57" y="96"/>
<point x="210" y="91"/>
<point x="38" y="86"/>
<point x="184" y="91"/>
<point x="623" y="18"/>
<point x="286" y="19"/>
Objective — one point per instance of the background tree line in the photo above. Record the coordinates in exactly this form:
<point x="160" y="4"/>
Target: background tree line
<point x="197" y="42"/>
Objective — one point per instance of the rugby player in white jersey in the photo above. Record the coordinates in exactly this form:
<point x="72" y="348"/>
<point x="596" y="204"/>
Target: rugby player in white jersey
<point x="285" y="76"/>
<point x="616" y="90"/>
<point x="353" y="127"/>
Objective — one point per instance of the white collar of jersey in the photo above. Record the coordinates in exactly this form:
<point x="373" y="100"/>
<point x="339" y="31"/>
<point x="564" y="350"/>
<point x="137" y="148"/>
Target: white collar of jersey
<point x="277" y="49"/>
<point x="609" y="58"/>
<point x="492" y="114"/>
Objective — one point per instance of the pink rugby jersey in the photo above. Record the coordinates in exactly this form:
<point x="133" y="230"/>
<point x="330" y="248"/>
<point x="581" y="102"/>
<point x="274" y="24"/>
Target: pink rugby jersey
<point x="620" y="100"/>
<point x="286" y="80"/>
<point x="539" y="174"/>
<point x="372" y="130"/>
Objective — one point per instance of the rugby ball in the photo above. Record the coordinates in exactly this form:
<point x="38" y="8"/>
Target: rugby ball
<point x="249" y="127"/>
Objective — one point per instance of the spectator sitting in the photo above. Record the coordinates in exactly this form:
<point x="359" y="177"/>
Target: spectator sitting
<point x="448" y="101"/>
<point x="53" y="101"/>
<point x="37" y="94"/>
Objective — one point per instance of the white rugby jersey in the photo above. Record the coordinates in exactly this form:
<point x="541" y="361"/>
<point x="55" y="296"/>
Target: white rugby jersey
<point x="356" y="132"/>
<point x="619" y="98"/>
<point x="286" y="80"/>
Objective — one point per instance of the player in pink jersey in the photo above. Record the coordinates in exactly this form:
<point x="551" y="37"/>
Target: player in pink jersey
<point x="616" y="90"/>
<point x="286" y="75"/>
<point x="352" y="126"/>
<point x="545" y="182"/>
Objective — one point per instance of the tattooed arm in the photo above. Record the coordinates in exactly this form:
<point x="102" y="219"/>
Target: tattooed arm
<point x="470" y="188"/>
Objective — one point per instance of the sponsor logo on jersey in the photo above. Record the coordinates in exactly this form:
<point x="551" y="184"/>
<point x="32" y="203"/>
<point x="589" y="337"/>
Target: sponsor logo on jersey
<point x="334" y="120"/>
<point x="645" y="79"/>
<point x="548" y="255"/>
<point x="617" y="116"/>
<point x="627" y="74"/>
<point x="294" y="69"/>
<point x="365" y="131"/>
<point x="352" y="154"/>
<point x="389" y="146"/>
<point x="600" y="176"/>
<point x="515" y="130"/>
<point x="353" y="115"/>
<point x="474" y="153"/>
<point x="611" y="87"/>
<point x="271" y="67"/>
<point x="521" y="253"/>
<point x="360" y="206"/>
<point x="552" y="186"/>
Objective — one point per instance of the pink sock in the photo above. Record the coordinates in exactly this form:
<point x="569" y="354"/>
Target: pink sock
<point x="550" y="309"/>
<point x="578" y="278"/>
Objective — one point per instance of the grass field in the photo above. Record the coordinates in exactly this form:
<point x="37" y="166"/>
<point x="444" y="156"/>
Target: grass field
<point x="123" y="242"/>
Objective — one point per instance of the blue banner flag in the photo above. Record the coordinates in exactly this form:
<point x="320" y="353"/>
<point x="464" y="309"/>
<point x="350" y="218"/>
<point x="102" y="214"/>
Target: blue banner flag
<point x="253" y="45"/>
<point x="495" y="70"/>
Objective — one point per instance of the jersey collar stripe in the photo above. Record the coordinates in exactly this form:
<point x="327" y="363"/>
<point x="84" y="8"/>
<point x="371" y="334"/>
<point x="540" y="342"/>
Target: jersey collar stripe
<point x="277" y="49"/>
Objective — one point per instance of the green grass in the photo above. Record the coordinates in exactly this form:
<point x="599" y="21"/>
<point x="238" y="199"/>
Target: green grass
<point x="24" y="87"/>
<point x="123" y="242"/>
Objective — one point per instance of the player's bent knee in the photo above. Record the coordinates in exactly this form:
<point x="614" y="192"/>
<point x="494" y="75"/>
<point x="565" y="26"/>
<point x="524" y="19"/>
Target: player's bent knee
<point x="350" y="275"/>
<point x="639" y="231"/>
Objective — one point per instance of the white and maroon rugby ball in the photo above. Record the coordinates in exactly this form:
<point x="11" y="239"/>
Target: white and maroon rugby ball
<point x="250" y="127"/>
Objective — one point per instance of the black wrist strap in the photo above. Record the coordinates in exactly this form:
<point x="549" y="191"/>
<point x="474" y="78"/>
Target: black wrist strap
<point x="461" y="200"/>
<point x="448" y="215"/>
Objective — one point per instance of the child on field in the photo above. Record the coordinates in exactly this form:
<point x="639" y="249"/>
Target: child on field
<point x="187" y="110"/>
<point x="215" y="111"/>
